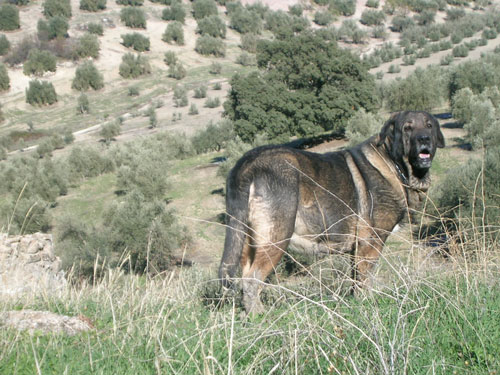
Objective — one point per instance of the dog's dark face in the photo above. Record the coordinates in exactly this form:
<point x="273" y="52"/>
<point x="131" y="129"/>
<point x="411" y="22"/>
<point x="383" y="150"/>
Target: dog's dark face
<point x="415" y="136"/>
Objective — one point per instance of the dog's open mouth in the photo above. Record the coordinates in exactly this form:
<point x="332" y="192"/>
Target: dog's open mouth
<point x="424" y="155"/>
<point x="424" y="158"/>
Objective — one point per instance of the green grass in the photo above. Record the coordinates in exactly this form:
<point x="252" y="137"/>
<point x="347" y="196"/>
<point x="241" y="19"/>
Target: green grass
<point x="432" y="325"/>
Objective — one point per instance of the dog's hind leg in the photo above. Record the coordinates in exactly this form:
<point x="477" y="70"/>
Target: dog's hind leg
<point x="271" y="229"/>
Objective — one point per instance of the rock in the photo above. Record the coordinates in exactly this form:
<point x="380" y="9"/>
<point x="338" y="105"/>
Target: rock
<point x="44" y="321"/>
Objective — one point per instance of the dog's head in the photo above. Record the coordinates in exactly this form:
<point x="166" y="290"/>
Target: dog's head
<point x="412" y="136"/>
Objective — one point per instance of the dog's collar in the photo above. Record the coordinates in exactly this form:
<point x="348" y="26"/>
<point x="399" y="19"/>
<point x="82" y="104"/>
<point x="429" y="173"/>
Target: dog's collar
<point x="402" y="176"/>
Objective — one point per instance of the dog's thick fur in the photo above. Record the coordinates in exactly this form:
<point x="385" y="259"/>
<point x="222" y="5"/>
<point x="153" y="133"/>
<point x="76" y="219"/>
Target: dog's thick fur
<point x="348" y="200"/>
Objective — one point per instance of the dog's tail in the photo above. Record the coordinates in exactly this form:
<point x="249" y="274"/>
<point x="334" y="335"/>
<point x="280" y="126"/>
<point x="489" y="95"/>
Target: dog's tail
<point x="236" y="230"/>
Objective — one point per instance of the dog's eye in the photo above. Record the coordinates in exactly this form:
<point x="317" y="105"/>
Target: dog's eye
<point x="429" y="125"/>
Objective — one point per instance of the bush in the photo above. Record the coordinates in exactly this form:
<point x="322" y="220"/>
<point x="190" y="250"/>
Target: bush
<point x="379" y="32"/>
<point x="208" y="45"/>
<point x="52" y="8"/>
<point x="372" y="3"/>
<point x="245" y="21"/>
<point x="401" y="23"/>
<point x="175" y="12"/>
<point x="249" y="42"/>
<point x="39" y="62"/>
<point x="170" y="58"/>
<point x="200" y="92"/>
<point x="153" y="119"/>
<point x="4" y="45"/>
<point x="204" y="8"/>
<point x="193" y="110"/>
<point x="282" y="25"/>
<point x="446" y="60"/>
<point x="92" y="5"/>
<point x="174" y="33"/>
<point x="213" y="26"/>
<point x="95" y="28"/>
<point x="215" y="68"/>
<point x="9" y="17"/>
<point x="371" y="17"/>
<point x="133" y="17"/>
<point x="110" y="131"/>
<point x="4" y="78"/>
<point x="246" y="59"/>
<point x="180" y="96"/>
<point x="393" y="69"/>
<point x="41" y="93"/>
<point x="214" y="137"/>
<point x="88" y="46"/>
<point x="350" y="32"/>
<point x="426" y="17"/>
<point x="490" y="33"/>
<point x="133" y="91"/>
<point x="477" y="75"/>
<point x="323" y="18"/>
<point x="460" y="51"/>
<point x="212" y="102"/>
<point x="421" y="90"/>
<point x="55" y="27"/>
<point x="83" y="104"/>
<point x="137" y="41"/>
<point x="296" y="10"/>
<point x="133" y="3"/>
<point x="361" y="126"/>
<point x="343" y="7"/>
<point x="217" y="86"/>
<point x="134" y="66"/>
<point x="177" y="71"/>
<point x="87" y="76"/>
<point x="453" y="14"/>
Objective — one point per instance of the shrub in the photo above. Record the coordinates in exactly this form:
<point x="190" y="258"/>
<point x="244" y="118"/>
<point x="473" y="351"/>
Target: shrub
<point x="453" y="14"/>
<point x="39" y="62"/>
<point x="457" y="37"/>
<point x="246" y="59"/>
<point x="180" y="96"/>
<point x="133" y="17"/>
<point x="4" y="78"/>
<point x="208" y="45"/>
<point x="409" y="59"/>
<point x="83" y="104"/>
<point x="9" y="17"/>
<point x="446" y="60"/>
<point x="445" y="45"/>
<point x="361" y="126"/>
<point x="214" y="137"/>
<point x="137" y="41"/>
<point x="245" y="21"/>
<point x="343" y="7"/>
<point x="204" y="8"/>
<point x="200" y="92"/>
<point x="296" y="10"/>
<point x="212" y="102"/>
<point x="421" y="90"/>
<point x="133" y="91"/>
<point x="4" y="45"/>
<point x="323" y="18"/>
<point x="95" y="28"/>
<point x="393" y="69"/>
<point x="133" y="3"/>
<point x="371" y="17"/>
<point x="87" y="76"/>
<point x="134" y="66"/>
<point x="110" y="131"/>
<point x="215" y="68"/>
<point x="349" y="31"/>
<point x="460" y="51"/>
<point x="55" y="27"/>
<point x="174" y="33"/>
<point x="213" y="26"/>
<point x="153" y="119"/>
<point x="170" y="58"/>
<point x="217" y="86"/>
<point x="88" y="46"/>
<point x="477" y="75"/>
<point x="372" y="3"/>
<point x="92" y="5"/>
<point x="379" y="32"/>
<point x="177" y="71"/>
<point x="41" y="93"/>
<point x="249" y="42"/>
<point x="52" y="8"/>
<point x="175" y="12"/>
<point x="489" y="33"/>
<point x="426" y="17"/>
<point x="193" y="110"/>
<point x="401" y="23"/>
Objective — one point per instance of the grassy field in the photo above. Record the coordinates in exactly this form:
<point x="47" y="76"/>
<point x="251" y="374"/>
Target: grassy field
<point x="431" y="322"/>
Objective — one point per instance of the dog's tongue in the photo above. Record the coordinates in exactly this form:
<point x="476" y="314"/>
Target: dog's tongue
<point x="424" y="156"/>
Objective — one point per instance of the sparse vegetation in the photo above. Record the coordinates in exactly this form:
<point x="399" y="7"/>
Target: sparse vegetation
<point x="174" y="33"/>
<point x="4" y="78"/>
<point x="138" y="42"/>
<point x="53" y="8"/>
<point x="83" y="104"/>
<point x="213" y="26"/>
<point x="88" y="46"/>
<point x="55" y="27"/>
<point x="4" y="45"/>
<point x="39" y="62"/>
<point x="204" y="8"/>
<point x="95" y="28"/>
<point x="175" y="12"/>
<point x="208" y="45"/>
<point x="133" y="17"/>
<point x="93" y="5"/>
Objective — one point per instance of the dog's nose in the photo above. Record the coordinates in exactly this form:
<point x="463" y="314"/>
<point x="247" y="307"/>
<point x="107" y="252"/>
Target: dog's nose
<point x="423" y="138"/>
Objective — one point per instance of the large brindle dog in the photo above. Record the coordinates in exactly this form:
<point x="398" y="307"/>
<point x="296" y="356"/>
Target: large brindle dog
<point x="347" y="200"/>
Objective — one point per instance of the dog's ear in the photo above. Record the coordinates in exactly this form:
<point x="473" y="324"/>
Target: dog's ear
<point x="387" y="129"/>
<point x="439" y="136"/>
